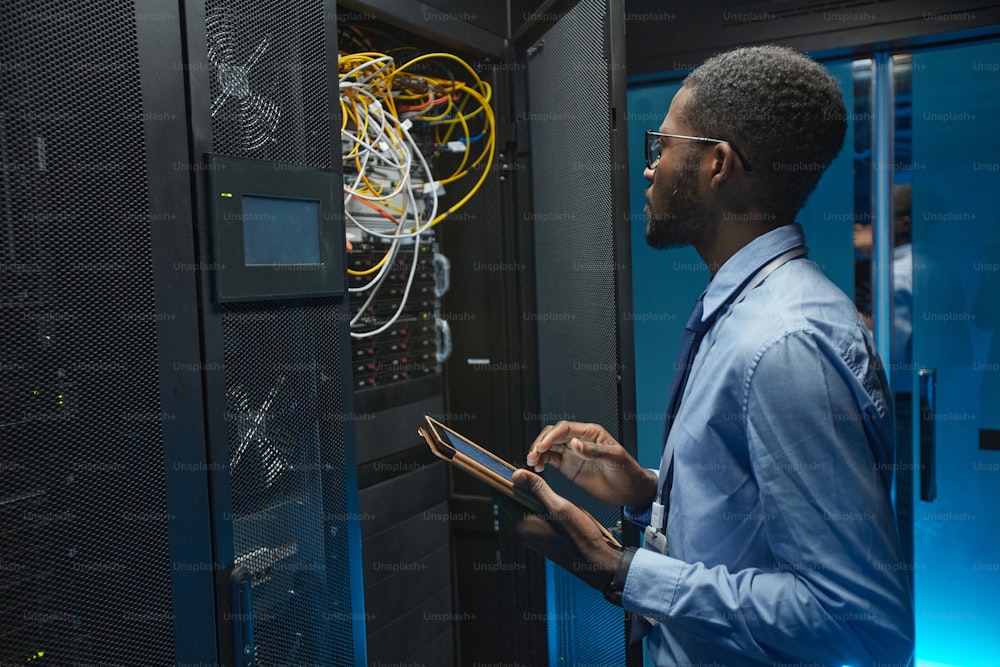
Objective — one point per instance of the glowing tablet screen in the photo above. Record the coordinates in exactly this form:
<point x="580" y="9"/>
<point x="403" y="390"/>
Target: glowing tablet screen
<point x="477" y="455"/>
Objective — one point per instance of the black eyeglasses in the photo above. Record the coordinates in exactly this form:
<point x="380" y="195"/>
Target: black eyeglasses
<point x="654" y="146"/>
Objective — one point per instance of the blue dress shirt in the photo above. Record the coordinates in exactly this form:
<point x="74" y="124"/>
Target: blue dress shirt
<point x="782" y="544"/>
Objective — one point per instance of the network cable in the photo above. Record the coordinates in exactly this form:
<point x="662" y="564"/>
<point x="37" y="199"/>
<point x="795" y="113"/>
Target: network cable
<point x="390" y="190"/>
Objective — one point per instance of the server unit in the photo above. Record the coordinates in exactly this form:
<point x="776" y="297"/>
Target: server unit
<point x="410" y="348"/>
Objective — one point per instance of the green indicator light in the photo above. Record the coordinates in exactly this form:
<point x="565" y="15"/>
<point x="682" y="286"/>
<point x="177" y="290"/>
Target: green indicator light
<point x="228" y="195"/>
<point x="59" y="396"/>
<point x="35" y="392"/>
<point x="425" y="316"/>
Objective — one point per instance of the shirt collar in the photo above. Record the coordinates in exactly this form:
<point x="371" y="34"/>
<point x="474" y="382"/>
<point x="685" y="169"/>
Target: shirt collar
<point x="748" y="260"/>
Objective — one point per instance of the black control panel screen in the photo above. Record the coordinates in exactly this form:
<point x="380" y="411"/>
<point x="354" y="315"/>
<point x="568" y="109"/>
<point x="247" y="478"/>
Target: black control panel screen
<point x="279" y="231"/>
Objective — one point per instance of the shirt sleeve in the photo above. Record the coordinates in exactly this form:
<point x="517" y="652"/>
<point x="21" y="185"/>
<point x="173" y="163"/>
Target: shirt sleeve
<point x="837" y="592"/>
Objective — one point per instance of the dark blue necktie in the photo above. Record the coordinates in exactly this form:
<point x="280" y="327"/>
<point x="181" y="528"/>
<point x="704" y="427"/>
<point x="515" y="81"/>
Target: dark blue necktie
<point x="694" y="331"/>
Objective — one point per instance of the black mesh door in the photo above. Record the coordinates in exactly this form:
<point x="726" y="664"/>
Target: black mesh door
<point x="287" y="459"/>
<point x="293" y="488"/>
<point x="84" y="563"/>
<point x="581" y="261"/>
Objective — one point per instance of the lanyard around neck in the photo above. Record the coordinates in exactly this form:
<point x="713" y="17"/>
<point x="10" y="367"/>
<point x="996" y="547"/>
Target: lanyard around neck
<point x="755" y="280"/>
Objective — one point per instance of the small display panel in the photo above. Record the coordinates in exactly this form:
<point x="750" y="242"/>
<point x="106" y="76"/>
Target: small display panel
<point x="280" y="231"/>
<point x="478" y="456"/>
<point x="277" y="229"/>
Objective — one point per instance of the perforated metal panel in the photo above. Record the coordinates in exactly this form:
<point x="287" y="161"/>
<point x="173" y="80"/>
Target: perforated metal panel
<point x="572" y="167"/>
<point x="284" y="365"/>
<point x="574" y="219"/>
<point x="286" y="434"/>
<point x="268" y="82"/>
<point x="84" y="565"/>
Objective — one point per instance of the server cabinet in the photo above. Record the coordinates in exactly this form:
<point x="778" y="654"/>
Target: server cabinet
<point x="103" y="484"/>
<point x="178" y="478"/>
<point x="277" y="380"/>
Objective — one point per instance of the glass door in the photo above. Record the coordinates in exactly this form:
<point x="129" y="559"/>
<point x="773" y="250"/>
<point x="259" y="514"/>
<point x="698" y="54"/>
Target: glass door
<point x="955" y="369"/>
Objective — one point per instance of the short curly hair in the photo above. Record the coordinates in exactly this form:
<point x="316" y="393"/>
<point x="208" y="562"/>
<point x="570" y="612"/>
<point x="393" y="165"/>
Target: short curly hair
<point x="781" y="109"/>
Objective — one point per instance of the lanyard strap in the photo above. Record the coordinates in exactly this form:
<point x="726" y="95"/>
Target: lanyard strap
<point x="757" y="279"/>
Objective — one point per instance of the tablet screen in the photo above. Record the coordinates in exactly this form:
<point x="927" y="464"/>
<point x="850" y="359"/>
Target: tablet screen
<point x="476" y="455"/>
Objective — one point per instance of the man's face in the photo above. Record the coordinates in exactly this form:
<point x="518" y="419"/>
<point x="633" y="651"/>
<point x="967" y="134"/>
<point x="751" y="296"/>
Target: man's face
<point x="675" y="212"/>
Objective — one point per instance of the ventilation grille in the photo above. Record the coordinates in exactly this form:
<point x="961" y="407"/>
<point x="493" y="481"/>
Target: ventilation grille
<point x="81" y="461"/>
<point x="286" y="435"/>
<point x="269" y="80"/>
<point x="575" y="272"/>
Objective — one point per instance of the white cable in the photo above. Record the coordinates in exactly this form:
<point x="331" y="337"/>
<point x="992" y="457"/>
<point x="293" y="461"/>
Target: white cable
<point x="385" y="151"/>
<point x="419" y="228"/>
<point x="371" y="296"/>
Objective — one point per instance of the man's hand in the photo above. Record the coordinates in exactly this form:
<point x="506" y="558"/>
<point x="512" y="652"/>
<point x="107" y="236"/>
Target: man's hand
<point x="590" y="458"/>
<point x="565" y="534"/>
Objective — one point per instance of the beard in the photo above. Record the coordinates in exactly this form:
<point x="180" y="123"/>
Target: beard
<point x="687" y="222"/>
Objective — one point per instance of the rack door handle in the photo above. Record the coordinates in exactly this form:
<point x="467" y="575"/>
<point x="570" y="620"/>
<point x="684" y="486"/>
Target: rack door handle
<point x="244" y="648"/>
<point x="927" y="434"/>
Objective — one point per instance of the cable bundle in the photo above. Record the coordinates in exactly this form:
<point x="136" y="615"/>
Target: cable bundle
<point x="390" y="191"/>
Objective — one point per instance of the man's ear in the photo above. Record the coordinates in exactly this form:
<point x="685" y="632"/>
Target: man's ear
<point x="723" y="164"/>
<point x="720" y="159"/>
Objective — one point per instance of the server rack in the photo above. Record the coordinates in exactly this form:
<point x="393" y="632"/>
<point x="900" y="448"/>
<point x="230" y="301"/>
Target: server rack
<point x="278" y="400"/>
<point x="103" y="486"/>
<point x="558" y="84"/>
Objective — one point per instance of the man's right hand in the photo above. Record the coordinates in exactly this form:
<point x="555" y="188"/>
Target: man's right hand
<point x="588" y="456"/>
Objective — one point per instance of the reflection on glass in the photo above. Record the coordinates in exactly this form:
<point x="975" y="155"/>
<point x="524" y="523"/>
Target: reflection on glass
<point x="863" y="201"/>
<point x="901" y="367"/>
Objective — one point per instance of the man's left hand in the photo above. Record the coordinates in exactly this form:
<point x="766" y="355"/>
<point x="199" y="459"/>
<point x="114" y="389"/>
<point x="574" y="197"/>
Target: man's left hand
<point x="565" y="534"/>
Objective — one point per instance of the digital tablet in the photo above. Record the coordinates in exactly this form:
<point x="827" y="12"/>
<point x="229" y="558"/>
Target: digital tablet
<point x="487" y="467"/>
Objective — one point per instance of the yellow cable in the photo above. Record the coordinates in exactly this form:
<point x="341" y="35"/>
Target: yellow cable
<point x="482" y="178"/>
<point x="381" y="77"/>
<point x="489" y="139"/>
<point x="373" y="269"/>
